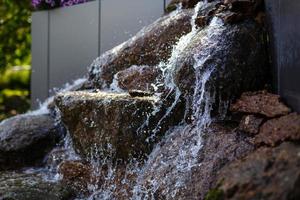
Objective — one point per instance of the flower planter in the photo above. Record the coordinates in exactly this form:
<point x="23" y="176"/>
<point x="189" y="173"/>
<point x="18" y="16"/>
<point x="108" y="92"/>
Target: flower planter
<point x="66" y="40"/>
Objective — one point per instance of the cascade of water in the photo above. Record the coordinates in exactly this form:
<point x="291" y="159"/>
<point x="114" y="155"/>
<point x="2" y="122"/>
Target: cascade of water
<point x="204" y="96"/>
<point x="182" y="146"/>
<point x="168" y="67"/>
<point x="107" y="189"/>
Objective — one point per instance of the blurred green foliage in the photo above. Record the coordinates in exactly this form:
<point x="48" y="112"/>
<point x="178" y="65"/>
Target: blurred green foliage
<point x="14" y="91"/>
<point x="15" y="21"/>
<point x="15" y="78"/>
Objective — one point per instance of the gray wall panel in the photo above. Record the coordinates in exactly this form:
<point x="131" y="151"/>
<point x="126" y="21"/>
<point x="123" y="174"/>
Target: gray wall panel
<point x="289" y="57"/>
<point x="273" y="9"/>
<point x="121" y="19"/>
<point x="74" y="42"/>
<point x="283" y="18"/>
<point x="39" y="51"/>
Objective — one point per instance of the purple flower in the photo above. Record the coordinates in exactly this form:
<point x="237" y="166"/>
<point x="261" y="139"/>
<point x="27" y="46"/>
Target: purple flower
<point x="48" y="4"/>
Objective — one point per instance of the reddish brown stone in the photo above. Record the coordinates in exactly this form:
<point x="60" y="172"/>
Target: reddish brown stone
<point x="278" y="130"/>
<point x="262" y="103"/>
<point x="268" y="173"/>
<point x="250" y="124"/>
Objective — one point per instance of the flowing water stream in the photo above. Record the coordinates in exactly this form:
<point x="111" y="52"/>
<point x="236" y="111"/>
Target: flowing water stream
<point x="184" y="142"/>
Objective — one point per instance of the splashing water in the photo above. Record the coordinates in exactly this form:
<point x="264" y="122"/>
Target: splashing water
<point x="169" y="67"/>
<point x="182" y="146"/>
<point x="43" y="107"/>
<point x="107" y="190"/>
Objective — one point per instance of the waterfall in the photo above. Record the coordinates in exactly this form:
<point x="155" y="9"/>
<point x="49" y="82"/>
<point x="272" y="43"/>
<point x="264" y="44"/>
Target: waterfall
<point x="108" y="188"/>
<point x="182" y="145"/>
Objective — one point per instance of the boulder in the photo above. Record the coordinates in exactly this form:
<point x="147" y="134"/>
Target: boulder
<point x="275" y="131"/>
<point x="150" y="46"/>
<point x="109" y="125"/>
<point x="26" y="139"/>
<point x="19" y="186"/>
<point x="262" y="103"/>
<point x="265" y="174"/>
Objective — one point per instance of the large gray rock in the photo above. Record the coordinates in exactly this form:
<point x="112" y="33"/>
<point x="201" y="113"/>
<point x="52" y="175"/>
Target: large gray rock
<point x="26" y="139"/>
<point x="150" y="46"/>
<point x="19" y="186"/>
<point x="107" y="124"/>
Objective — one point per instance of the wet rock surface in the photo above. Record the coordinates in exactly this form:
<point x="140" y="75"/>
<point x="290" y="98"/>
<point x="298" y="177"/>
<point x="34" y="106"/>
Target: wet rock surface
<point x="106" y="124"/>
<point x="262" y="103"/>
<point x="275" y="131"/>
<point x="149" y="47"/>
<point x="19" y="186"/>
<point x="77" y="175"/>
<point x="268" y="173"/>
<point x="26" y="139"/>
<point x="138" y="78"/>
<point x="231" y="71"/>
